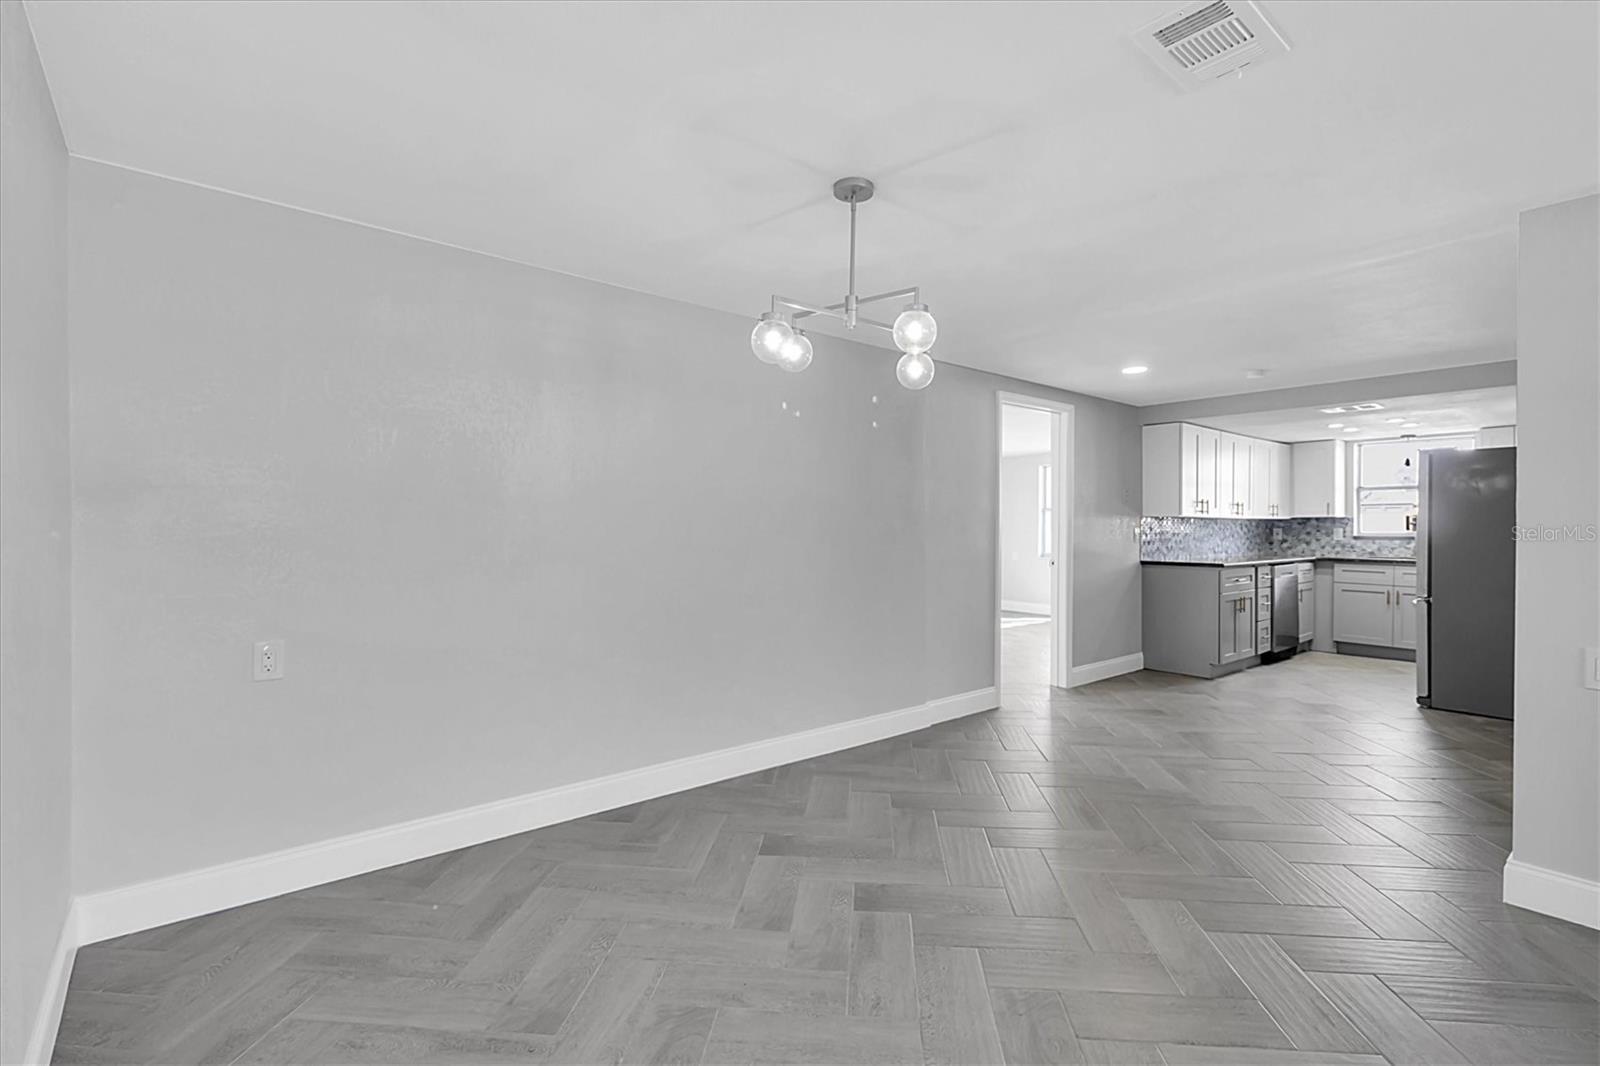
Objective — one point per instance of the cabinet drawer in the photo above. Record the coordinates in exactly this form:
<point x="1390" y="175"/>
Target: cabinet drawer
<point x="1263" y="577"/>
<point x="1405" y="577"/>
<point x="1306" y="572"/>
<point x="1362" y="574"/>
<point x="1238" y="578"/>
<point x="1263" y="603"/>
<point x="1264" y="637"/>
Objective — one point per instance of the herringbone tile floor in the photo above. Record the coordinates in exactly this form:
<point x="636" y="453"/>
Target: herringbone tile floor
<point x="1292" y="864"/>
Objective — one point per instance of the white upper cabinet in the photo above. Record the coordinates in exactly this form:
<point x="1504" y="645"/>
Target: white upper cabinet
<point x="1180" y="470"/>
<point x="1319" y="479"/>
<point x="1280" y="484"/>
<point x="1193" y="471"/>
<point x="1202" y="444"/>
<point x="1261" y="478"/>
<point x="1239" y="486"/>
<point x="1225" y="496"/>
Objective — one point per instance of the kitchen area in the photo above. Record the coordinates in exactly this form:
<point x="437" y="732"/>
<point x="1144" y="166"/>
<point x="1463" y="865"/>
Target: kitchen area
<point x="1381" y="527"/>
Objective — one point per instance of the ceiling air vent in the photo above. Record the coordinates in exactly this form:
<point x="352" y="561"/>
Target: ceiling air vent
<point x="1201" y="42"/>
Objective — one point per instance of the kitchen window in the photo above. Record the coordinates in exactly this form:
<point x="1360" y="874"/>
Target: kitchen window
<point x="1047" y="512"/>
<point x="1387" y="471"/>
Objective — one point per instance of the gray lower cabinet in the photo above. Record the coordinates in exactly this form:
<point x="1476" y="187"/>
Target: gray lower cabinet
<point x="1375" y="607"/>
<point x="1199" y="620"/>
<point x="1405" y="618"/>
<point x="1236" y="626"/>
<point x="1363" y="614"/>
<point x="1308" y="611"/>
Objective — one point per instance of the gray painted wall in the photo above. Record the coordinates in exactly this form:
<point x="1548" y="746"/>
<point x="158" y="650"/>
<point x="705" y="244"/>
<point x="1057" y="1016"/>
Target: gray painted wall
<point x="1556" y="806"/>
<point x="35" y="536"/>
<point x="1024" y="574"/>
<point x="518" y="529"/>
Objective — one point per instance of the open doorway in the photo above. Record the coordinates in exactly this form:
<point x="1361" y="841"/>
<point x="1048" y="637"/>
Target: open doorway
<point x="1033" y="546"/>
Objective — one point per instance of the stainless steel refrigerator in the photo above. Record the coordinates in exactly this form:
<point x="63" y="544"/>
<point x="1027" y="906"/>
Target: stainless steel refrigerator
<point x="1466" y="580"/>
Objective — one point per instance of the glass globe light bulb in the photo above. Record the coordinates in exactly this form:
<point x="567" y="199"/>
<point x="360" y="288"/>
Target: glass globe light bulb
<point x="795" y="355"/>
<point x="915" y="330"/>
<point x="915" y="370"/>
<point x="769" y="337"/>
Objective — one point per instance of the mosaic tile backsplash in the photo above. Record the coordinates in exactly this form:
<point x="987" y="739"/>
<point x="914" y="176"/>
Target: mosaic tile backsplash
<point x="1163" y="539"/>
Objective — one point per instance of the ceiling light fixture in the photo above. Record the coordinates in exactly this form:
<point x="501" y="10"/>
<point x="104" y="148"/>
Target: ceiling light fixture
<point x="1335" y="425"/>
<point x="775" y="340"/>
<point x="1352" y="429"/>
<point x="1333" y="410"/>
<point x="1411" y="425"/>
<point x="1135" y="369"/>
<point x="1395" y="421"/>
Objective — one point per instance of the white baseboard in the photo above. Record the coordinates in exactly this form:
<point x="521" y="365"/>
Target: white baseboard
<point x="1559" y="895"/>
<point x="1025" y="607"/>
<point x="1091" y="672"/>
<point x="153" y="903"/>
<point x="42" y="1040"/>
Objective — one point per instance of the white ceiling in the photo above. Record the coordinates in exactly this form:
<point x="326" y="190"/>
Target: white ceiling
<point x="1345" y="211"/>
<point x="1024" y="430"/>
<point x="1436" y="413"/>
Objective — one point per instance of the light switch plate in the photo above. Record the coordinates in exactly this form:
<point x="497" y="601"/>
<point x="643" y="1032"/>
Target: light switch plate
<point x="269" y="660"/>
<point x="1591" y="668"/>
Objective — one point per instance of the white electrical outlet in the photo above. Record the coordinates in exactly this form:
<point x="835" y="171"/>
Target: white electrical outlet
<point x="1591" y="668"/>
<point x="269" y="660"/>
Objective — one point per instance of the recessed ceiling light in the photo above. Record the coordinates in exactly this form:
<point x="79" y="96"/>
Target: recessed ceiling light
<point x="1366" y="406"/>
<point x="1394" y="421"/>
<point x="1255" y="374"/>
<point x="1352" y="429"/>
<point x="1411" y="425"/>
<point x="1335" y="425"/>
<point x="1333" y="410"/>
<point x="1134" y="369"/>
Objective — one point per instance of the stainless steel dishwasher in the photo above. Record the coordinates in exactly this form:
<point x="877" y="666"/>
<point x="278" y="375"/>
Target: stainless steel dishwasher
<point x="1285" y="610"/>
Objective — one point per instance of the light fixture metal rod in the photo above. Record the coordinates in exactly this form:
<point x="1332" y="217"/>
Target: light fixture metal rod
<point x="803" y="309"/>
<point x="850" y="293"/>
<point x="915" y="292"/>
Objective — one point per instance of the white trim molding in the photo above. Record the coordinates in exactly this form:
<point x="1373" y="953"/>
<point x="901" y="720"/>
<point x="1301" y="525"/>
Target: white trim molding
<point x="1025" y="607"/>
<point x="1062" y="459"/>
<point x="47" y="1022"/>
<point x="1092" y="672"/>
<point x="1551" y="892"/>
<point x="188" y="895"/>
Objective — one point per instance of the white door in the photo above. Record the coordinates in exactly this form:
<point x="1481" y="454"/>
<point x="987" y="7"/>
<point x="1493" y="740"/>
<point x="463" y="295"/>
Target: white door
<point x="1052" y="528"/>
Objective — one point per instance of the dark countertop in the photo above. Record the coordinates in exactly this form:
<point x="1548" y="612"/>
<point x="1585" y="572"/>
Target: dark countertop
<point x="1269" y="560"/>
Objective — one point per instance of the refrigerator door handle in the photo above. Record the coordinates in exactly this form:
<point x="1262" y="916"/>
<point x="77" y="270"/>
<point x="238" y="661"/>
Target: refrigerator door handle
<point x="1424" y="604"/>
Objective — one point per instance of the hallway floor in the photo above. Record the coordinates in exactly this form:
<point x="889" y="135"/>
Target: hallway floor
<point x="1292" y="864"/>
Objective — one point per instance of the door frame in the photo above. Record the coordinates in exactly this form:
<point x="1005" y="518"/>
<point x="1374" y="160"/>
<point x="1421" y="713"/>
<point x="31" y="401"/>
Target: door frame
<point x="1061" y="458"/>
